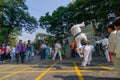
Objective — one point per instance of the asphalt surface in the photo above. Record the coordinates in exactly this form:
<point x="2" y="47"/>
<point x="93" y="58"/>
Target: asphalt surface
<point x="68" y="69"/>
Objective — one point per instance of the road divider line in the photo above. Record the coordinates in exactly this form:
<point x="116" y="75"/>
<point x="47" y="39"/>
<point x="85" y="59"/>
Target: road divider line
<point x="106" y="67"/>
<point x="9" y="75"/>
<point x="46" y="71"/>
<point x="62" y="71"/>
<point x="57" y="71"/>
<point x="78" y="72"/>
<point x="9" y="67"/>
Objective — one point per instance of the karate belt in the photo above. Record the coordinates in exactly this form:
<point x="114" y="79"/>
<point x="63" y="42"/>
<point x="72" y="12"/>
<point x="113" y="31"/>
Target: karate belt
<point x="77" y="34"/>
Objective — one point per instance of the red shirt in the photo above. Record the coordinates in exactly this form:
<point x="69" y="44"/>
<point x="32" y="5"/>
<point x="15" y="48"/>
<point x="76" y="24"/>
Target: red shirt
<point x="4" y="50"/>
<point x="24" y="48"/>
<point x="72" y="46"/>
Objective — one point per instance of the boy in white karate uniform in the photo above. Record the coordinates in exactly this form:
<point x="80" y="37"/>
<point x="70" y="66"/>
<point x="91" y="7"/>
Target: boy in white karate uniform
<point x="76" y="32"/>
<point x="58" y="48"/>
<point x="116" y="53"/>
<point x="105" y="43"/>
<point x="87" y="51"/>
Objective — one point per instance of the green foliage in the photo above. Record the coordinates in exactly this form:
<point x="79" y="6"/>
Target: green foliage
<point x="47" y="38"/>
<point x="81" y="10"/>
<point x="57" y="23"/>
<point x="2" y="36"/>
<point x="14" y="14"/>
<point x="13" y="36"/>
<point x="50" y="40"/>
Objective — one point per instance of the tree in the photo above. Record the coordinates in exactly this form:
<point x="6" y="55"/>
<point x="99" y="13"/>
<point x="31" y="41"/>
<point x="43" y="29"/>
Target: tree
<point x="47" y="38"/>
<point x="14" y="14"/>
<point x="57" y="23"/>
<point x="2" y="32"/>
<point x="95" y="11"/>
<point x="13" y="36"/>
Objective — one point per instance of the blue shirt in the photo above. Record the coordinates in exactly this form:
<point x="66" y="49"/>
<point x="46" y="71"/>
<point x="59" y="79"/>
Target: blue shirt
<point x="29" y="47"/>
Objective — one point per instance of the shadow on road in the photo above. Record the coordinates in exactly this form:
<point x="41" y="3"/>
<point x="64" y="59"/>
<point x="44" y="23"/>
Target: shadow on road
<point x="85" y="78"/>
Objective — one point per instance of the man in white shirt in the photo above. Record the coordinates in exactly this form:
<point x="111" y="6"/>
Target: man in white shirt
<point x="76" y="32"/>
<point x="7" y="51"/>
<point x="87" y="51"/>
<point x="105" y="43"/>
<point x="43" y="50"/>
<point x="58" y="48"/>
<point x="44" y="46"/>
<point x="116" y="23"/>
<point x="112" y="42"/>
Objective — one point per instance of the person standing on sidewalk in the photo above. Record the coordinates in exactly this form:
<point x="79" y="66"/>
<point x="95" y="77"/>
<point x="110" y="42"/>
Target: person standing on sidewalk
<point x="12" y="54"/>
<point x="7" y="51"/>
<point x="19" y="52"/>
<point x="116" y="53"/>
<point x="29" y="51"/>
<point x="24" y="50"/>
<point x="3" y="53"/>
<point x="58" y="48"/>
<point x="112" y="40"/>
<point x="43" y="50"/>
<point x="72" y="49"/>
<point x="67" y="50"/>
<point x="33" y="53"/>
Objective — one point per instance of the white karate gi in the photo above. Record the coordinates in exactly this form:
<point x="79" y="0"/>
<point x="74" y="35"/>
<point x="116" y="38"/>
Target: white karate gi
<point x="118" y="44"/>
<point x="105" y="43"/>
<point x="75" y="30"/>
<point x="87" y="50"/>
<point x="57" y="50"/>
<point x="117" y="51"/>
<point x="113" y="41"/>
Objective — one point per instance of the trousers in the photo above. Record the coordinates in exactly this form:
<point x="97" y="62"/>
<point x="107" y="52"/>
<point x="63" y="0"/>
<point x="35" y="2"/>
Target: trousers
<point x="59" y="52"/>
<point x="87" y="58"/>
<point x="20" y="55"/>
<point x="116" y="63"/>
<point x="13" y="56"/>
<point x="28" y="56"/>
<point x="107" y="55"/>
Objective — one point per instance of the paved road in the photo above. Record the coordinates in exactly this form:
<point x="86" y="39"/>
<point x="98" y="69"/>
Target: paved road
<point x="68" y="69"/>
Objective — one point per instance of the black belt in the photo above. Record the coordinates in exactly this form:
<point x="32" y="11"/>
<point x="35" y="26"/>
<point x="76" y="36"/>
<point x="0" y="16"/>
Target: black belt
<point x="104" y="45"/>
<point x="77" y="34"/>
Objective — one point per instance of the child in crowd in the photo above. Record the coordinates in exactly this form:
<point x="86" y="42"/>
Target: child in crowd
<point x="63" y="53"/>
<point x="13" y="54"/>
